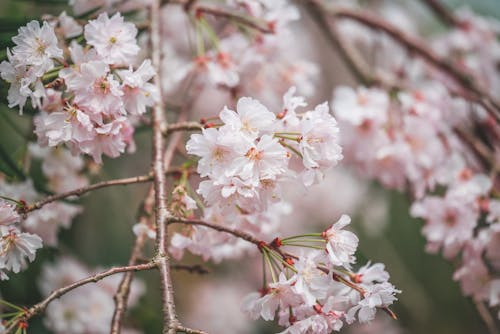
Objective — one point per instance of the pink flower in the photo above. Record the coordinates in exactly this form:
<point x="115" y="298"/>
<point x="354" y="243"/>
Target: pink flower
<point x="8" y="215"/>
<point x="251" y="118"/>
<point x="319" y="144"/>
<point x="15" y="247"/>
<point x="449" y="222"/>
<point x="138" y="93"/>
<point x="36" y="46"/>
<point x="113" y="39"/>
<point x="341" y="245"/>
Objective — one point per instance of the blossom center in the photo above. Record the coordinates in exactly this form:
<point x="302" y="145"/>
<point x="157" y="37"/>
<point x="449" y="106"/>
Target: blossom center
<point x="254" y="154"/>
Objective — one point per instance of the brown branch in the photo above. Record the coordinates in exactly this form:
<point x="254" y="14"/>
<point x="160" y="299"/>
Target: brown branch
<point x="98" y="185"/>
<point x="41" y="306"/>
<point x="230" y="15"/>
<point x="162" y="214"/>
<point x="187" y="330"/>
<point x="146" y="212"/>
<point x="192" y="269"/>
<point x="471" y="89"/>
<point x="123" y="291"/>
<point x="487" y="318"/>
<point x="442" y="12"/>
<point x="355" y="63"/>
<point x="220" y="228"/>
<point x="83" y="190"/>
<point x="183" y="126"/>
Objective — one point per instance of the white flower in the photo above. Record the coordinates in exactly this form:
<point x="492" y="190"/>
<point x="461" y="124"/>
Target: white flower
<point x="341" y="245"/>
<point x="113" y="39"/>
<point x="97" y="90"/>
<point x="138" y="93"/>
<point x="8" y="214"/>
<point x="251" y="117"/>
<point x="310" y="282"/>
<point x="376" y="296"/>
<point x="15" y="246"/>
<point x="265" y="160"/>
<point x="319" y="142"/>
<point x="216" y="150"/>
<point x="37" y="46"/>
<point x="23" y="81"/>
<point x="70" y="28"/>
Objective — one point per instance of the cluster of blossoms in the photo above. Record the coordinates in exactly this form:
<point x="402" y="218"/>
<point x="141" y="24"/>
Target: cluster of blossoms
<point x="316" y="291"/>
<point x="248" y="158"/>
<point x="91" y="100"/>
<point x="15" y="245"/>
<point x="22" y="236"/>
<point x="229" y="62"/>
<point x="424" y="141"/>
<point x="88" y="309"/>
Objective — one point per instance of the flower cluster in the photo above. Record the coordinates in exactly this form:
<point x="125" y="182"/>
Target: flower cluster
<point x="234" y="62"/>
<point x="88" y="309"/>
<point x="15" y="245"/>
<point x="45" y="222"/>
<point x="411" y="142"/>
<point x="250" y="156"/>
<point x="316" y="291"/>
<point x="89" y="102"/>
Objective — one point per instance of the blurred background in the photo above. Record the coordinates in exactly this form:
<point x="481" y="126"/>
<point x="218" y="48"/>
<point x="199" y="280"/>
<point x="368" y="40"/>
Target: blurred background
<point x="102" y="236"/>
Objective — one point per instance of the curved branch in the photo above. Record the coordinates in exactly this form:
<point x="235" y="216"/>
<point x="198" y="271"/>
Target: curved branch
<point x="192" y="269"/>
<point x="98" y="185"/>
<point x="230" y="15"/>
<point x="442" y="12"/>
<point x="464" y="80"/>
<point x="220" y="228"/>
<point x="83" y="190"/>
<point x="41" y="306"/>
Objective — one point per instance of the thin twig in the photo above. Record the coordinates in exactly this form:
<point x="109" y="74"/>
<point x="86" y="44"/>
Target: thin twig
<point x="183" y="126"/>
<point x="193" y="269"/>
<point x="162" y="214"/>
<point x="41" y="306"/>
<point x="355" y="63"/>
<point x="187" y="330"/>
<point x="230" y="15"/>
<point x="487" y="318"/>
<point x="123" y="291"/>
<point x="83" y="190"/>
<point x="442" y="12"/>
<point x="98" y="185"/>
<point x="220" y="228"/>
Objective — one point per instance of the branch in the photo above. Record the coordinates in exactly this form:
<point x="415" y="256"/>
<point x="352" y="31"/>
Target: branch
<point x="158" y="166"/>
<point x="146" y="212"/>
<point x="183" y="126"/>
<point x="192" y="269"/>
<point x="486" y="316"/>
<point x="220" y="228"/>
<point x="83" y="190"/>
<point x="187" y="330"/>
<point x="123" y="291"/>
<point x="349" y="55"/>
<point x="464" y="80"/>
<point x="220" y="12"/>
<point x="98" y="185"/>
<point x="442" y="12"/>
<point x="41" y="306"/>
